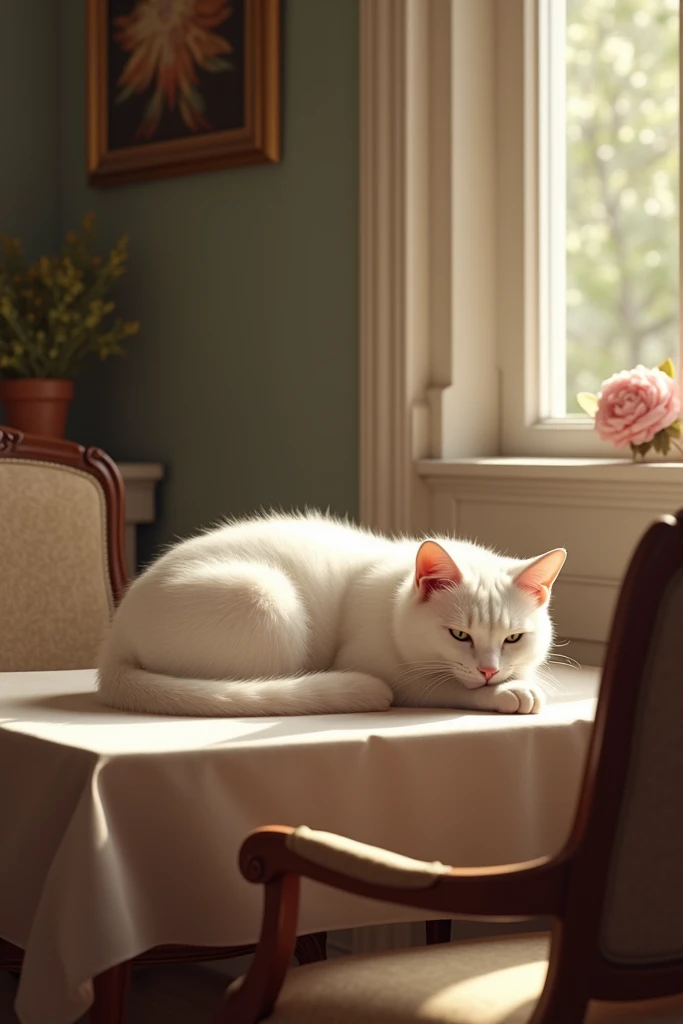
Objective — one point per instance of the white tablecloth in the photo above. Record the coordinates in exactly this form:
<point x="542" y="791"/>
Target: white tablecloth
<point x="121" y="831"/>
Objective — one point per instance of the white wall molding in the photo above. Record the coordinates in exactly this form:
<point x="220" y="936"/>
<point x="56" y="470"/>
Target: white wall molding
<point x="385" y="426"/>
<point x="584" y="495"/>
<point x="579" y="483"/>
<point x="427" y="260"/>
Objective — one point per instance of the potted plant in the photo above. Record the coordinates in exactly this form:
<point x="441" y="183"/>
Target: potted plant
<point x="53" y="314"/>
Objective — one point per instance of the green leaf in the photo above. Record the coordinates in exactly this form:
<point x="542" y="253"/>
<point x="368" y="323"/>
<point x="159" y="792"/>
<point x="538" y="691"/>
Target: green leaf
<point x="640" y="449"/>
<point x="675" y="428"/>
<point x="588" y="402"/>
<point x="668" y="368"/>
<point x="662" y="442"/>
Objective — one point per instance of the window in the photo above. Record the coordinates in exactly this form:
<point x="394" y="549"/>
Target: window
<point x="598" y="146"/>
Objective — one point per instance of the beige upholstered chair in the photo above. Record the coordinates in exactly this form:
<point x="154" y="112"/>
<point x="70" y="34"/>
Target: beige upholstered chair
<point x="614" y="893"/>
<point x="62" y="565"/>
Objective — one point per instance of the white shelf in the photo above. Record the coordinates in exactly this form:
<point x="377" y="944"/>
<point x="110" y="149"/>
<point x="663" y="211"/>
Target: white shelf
<point x="140" y="480"/>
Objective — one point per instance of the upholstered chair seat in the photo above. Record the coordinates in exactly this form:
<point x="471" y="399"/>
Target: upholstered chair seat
<point x="483" y="982"/>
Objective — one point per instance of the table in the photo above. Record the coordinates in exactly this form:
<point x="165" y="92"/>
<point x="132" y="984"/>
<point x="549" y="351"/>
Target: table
<point x="121" y="831"/>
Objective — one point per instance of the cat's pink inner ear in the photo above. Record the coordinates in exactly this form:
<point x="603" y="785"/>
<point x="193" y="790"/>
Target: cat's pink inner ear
<point x="434" y="569"/>
<point x="537" y="579"/>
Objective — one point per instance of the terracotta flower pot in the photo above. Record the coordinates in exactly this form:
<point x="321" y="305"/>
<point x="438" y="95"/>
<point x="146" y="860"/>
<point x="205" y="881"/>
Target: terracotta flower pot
<point x="36" y="405"/>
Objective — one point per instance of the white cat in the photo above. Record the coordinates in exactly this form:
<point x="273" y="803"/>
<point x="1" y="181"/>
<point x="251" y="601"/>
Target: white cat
<point x="294" y="615"/>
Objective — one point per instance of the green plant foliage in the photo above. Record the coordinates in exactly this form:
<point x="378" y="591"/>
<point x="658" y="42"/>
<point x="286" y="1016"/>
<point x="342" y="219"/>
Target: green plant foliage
<point x="55" y="312"/>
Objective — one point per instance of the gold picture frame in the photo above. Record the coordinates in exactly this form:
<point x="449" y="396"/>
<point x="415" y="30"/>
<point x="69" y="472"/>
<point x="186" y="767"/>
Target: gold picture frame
<point x="157" y="127"/>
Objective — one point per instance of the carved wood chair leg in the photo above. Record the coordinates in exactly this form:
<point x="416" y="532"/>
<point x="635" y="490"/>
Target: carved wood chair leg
<point x="111" y="994"/>
<point x="311" y="948"/>
<point x="437" y="931"/>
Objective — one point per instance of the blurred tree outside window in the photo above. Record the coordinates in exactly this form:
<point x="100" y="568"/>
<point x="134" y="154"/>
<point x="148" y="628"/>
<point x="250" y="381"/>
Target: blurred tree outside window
<point x="621" y="229"/>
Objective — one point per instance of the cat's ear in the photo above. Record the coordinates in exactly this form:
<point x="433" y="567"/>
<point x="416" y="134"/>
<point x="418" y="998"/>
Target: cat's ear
<point x="434" y="569"/>
<point x="536" y="579"/>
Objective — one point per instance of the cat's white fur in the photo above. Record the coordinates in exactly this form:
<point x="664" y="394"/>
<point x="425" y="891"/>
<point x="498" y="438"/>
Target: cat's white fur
<point x="294" y="615"/>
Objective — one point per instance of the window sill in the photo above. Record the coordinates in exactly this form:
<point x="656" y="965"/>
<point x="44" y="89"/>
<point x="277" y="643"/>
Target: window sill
<point x="598" y="470"/>
<point x="618" y="483"/>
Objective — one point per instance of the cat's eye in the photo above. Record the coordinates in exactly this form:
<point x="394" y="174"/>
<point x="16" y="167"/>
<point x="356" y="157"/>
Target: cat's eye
<point x="459" y="634"/>
<point x="513" y="638"/>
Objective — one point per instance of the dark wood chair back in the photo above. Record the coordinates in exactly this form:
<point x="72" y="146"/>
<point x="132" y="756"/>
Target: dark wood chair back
<point x="622" y="927"/>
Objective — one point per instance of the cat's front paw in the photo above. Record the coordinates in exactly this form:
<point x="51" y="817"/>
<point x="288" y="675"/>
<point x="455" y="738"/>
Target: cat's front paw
<point x="519" y="698"/>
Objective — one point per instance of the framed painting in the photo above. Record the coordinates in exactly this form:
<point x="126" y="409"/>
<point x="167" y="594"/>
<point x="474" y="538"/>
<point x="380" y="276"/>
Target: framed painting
<point x="181" y="86"/>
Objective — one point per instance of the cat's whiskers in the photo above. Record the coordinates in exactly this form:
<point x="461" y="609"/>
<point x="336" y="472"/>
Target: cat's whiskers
<point x="562" y="659"/>
<point x="425" y="668"/>
<point x="407" y="685"/>
<point x="433" y="673"/>
<point x="549" y="680"/>
<point x="441" y="663"/>
<point x="433" y="685"/>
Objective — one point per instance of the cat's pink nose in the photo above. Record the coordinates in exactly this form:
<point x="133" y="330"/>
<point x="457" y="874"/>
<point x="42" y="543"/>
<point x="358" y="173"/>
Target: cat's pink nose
<point x="488" y="673"/>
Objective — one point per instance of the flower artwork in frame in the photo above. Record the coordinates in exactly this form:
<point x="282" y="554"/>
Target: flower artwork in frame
<point x="181" y="86"/>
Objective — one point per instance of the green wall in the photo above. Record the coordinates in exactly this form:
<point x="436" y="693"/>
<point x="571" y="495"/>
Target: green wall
<point x="243" y="380"/>
<point x="29" y="122"/>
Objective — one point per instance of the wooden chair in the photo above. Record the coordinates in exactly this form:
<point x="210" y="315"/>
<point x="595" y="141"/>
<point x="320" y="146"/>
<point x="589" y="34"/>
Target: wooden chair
<point x="62" y="573"/>
<point x="614" y="893"/>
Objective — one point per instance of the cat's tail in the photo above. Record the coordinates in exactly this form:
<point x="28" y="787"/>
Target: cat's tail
<point x="317" y="693"/>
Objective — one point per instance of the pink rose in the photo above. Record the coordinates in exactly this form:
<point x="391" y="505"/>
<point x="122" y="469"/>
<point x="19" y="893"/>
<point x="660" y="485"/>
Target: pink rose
<point x="634" y="405"/>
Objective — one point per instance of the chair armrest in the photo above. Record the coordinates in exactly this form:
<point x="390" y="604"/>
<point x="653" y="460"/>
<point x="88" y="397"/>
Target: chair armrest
<point x="529" y="889"/>
<point x="278" y="856"/>
<point x="362" y="862"/>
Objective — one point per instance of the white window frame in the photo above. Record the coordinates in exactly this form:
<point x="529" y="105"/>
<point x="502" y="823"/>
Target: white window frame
<point x="549" y="110"/>
<point x="427" y="257"/>
<point x="448" y="304"/>
<point x="530" y="279"/>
